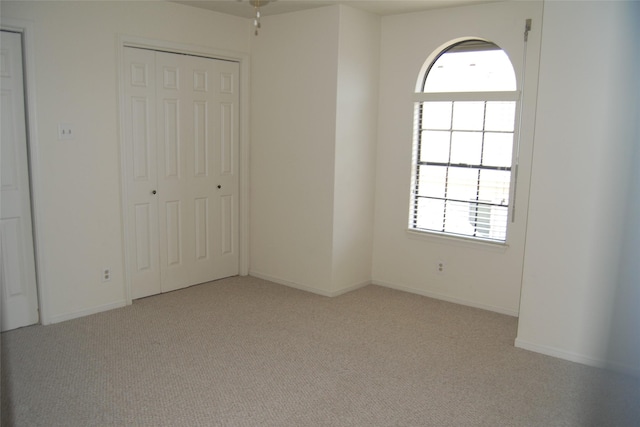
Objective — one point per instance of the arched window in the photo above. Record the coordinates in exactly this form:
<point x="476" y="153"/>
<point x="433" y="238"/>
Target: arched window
<point x="465" y="114"/>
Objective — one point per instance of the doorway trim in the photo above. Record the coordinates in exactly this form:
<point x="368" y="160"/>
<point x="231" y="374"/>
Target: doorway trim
<point x="27" y="30"/>
<point x="180" y="48"/>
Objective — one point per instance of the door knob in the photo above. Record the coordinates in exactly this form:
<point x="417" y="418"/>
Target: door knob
<point x="153" y="192"/>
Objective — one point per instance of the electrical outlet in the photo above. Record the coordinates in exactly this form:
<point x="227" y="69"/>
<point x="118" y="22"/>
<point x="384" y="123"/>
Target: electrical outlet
<point x="65" y="131"/>
<point x="440" y="267"/>
<point x="106" y="274"/>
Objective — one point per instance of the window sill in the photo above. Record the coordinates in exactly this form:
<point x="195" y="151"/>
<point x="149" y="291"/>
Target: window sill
<point x="459" y="241"/>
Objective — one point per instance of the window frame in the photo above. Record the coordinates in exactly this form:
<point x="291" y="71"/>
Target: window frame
<point x="419" y="98"/>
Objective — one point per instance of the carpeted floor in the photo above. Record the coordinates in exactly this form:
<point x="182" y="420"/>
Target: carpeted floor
<point x="247" y="352"/>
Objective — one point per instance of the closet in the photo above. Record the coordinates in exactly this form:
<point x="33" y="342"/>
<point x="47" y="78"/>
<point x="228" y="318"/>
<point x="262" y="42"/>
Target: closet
<point x="19" y="296"/>
<point x="181" y="179"/>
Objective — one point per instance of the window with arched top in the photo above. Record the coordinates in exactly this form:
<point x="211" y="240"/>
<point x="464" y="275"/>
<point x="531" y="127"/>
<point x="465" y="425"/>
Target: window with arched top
<point x="465" y="123"/>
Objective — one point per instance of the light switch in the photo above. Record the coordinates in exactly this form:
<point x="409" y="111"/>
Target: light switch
<point x="65" y="131"/>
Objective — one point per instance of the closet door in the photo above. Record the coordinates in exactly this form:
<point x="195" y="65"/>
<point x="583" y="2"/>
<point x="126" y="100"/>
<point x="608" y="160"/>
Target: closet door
<point x="18" y="294"/>
<point x="192" y="194"/>
<point x="141" y="172"/>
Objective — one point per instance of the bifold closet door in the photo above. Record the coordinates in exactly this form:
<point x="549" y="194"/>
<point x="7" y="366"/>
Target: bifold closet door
<point x="182" y="169"/>
<point x="17" y="263"/>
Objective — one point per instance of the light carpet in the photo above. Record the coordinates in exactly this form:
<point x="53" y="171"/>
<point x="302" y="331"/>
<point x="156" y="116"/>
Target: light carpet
<point x="246" y="352"/>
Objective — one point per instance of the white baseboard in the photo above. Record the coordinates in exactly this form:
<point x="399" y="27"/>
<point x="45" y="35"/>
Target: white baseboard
<point x="350" y="288"/>
<point x="561" y="354"/>
<point x="86" y="312"/>
<point x="578" y="358"/>
<point x="447" y="298"/>
<point x="308" y="288"/>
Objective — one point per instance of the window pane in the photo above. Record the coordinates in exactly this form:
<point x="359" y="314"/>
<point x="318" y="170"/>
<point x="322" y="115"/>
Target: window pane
<point x="494" y="186"/>
<point x="497" y="149"/>
<point x="477" y="67"/>
<point x="432" y="181"/>
<point x="500" y="116"/>
<point x="466" y="148"/>
<point x="434" y="146"/>
<point x="436" y="115"/>
<point x="480" y="218"/>
<point x="462" y="183"/>
<point x="457" y="218"/>
<point x="498" y="221"/>
<point x="468" y="115"/>
<point x="430" y="214"/>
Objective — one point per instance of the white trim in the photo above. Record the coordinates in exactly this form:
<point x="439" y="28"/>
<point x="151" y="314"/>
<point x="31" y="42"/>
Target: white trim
<point x="243" y="214"/>
<point x="456" y="240"/>
<point x="308" y="288"/>
<point x="27" y="29"/>
<point x="124" y="196"/>
<point x="89" y="311"/>
<point x="245" y="162"/>
<point x="438" y="296"/>
<point x="558" y="353"/>
<point x="467" y="96"/>
<point x="168" y="46"/>
<point x="578" y="358"/>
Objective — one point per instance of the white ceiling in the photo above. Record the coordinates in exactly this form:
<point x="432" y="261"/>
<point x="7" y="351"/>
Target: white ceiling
<point x="243" y="9"/>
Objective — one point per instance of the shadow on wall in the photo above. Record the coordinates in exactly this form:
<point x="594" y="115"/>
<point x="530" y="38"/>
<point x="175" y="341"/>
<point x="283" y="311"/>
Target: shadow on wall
<point x="624" y="333"/>
<point x="624" y="337"/>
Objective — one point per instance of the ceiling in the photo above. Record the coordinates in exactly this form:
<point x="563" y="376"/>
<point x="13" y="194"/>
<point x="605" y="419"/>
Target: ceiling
<point x="243" y="9"/>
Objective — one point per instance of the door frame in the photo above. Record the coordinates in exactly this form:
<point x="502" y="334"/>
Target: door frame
<point x="27" y="30"/>
<point x="243" y="161"/>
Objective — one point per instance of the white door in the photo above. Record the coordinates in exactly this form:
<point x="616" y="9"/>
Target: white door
<point x="17" y="265"/>
<point x="182" y="169"/>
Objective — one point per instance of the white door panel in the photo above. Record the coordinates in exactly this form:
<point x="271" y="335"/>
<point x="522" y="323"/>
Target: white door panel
<point x="17" y="264"/>
<point x="196" y="171"/>
<point x="174" y="135"/>
<point x="141" y="172"/>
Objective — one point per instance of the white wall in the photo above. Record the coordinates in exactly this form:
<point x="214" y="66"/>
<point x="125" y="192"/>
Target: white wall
<point x="293" y="121"/>
<point x="356" y="136"/>
<point x="78" y="190"/>
<point x="582" y="242"/>
<point x="476" y="274"/>
<point x="314" y="80"/>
